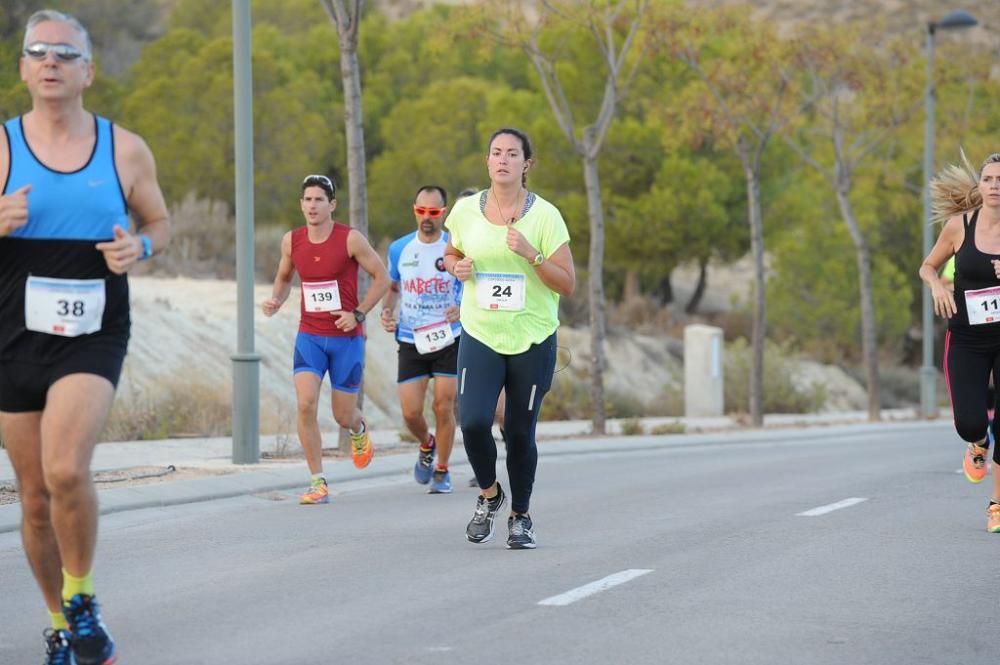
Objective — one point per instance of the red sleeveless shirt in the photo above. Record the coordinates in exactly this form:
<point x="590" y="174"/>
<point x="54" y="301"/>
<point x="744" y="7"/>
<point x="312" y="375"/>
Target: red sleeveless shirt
<point x="326" y="261"/>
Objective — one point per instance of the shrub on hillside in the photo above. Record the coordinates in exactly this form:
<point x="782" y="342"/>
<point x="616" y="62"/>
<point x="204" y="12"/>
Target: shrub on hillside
<point x="569" y="399"/>
<point x="780" y="392"/>
<point x="203" y="244"/>
<point x="179" y="406"/>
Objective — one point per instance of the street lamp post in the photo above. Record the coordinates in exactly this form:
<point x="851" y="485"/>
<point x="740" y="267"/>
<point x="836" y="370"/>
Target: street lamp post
<point x="246" y="362"/>
<point x="928" y="374"/>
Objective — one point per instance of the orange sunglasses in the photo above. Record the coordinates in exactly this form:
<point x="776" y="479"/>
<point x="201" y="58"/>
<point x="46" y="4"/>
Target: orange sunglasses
<point x="433" y="213"/>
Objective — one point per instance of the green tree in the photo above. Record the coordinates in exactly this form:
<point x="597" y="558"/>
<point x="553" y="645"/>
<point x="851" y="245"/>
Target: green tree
<point x="858" y="98"/>
<point x="741" y="97"/>
<point x="586" y="57"/>
<point x="192" y="134"/>
<point x="429" y="141"/>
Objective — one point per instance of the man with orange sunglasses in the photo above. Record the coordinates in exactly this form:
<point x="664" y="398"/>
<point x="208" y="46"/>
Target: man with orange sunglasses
<point x="427" y="332"/>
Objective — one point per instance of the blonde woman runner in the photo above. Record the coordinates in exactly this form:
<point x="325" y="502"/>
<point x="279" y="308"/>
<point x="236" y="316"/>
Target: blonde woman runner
<point x="970" y="202"/>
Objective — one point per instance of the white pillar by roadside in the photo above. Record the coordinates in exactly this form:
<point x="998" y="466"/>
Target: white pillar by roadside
<point x="703" y="347"/>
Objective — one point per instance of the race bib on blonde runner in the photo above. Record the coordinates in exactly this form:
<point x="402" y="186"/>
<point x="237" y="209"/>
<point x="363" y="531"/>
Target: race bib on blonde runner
<point x="433" y="337"/>
<point x="983" y="305"/>
<point x="64" y="307"/>
<point x="321" y="296"/>
<point x="502" y="291"/>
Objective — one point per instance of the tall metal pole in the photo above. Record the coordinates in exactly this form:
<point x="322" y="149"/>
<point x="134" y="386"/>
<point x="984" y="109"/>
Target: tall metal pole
<point x="246" y="363"/>
<point x="928" y="374"/>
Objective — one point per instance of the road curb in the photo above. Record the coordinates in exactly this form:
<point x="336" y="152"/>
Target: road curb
<point x="242" y="483"/>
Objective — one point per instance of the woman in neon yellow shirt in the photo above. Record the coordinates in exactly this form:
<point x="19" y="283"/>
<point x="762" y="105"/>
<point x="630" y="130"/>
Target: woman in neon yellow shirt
<point x="511" y="248"/>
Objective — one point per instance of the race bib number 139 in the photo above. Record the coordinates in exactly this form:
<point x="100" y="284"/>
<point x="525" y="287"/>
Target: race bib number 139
<point x="321" y="296"/>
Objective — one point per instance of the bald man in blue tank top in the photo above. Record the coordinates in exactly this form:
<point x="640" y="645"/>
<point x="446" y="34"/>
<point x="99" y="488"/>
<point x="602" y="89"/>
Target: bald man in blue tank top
<point x="70" y="181"/>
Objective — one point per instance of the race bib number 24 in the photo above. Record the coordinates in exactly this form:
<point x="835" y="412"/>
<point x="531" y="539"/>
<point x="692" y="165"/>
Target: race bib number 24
<point x="500" y="291"/>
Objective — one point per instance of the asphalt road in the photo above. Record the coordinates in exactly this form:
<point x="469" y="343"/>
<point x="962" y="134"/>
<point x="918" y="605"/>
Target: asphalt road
<point x="697" y="554"/>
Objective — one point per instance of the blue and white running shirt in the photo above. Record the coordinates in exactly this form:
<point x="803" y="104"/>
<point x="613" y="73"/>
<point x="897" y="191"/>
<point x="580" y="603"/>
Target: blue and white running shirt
<point x="426" y="289"/>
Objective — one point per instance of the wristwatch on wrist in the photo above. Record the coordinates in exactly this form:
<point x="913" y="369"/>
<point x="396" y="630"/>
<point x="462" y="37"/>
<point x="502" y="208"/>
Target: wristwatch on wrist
<point x="538" y="260"/>
<point x="147" y="247"/>
<point x="359" y="316"/>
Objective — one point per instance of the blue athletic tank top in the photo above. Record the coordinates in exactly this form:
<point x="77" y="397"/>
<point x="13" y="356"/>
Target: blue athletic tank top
<point x="68" y="213"/>
<point x="79" y="205"/>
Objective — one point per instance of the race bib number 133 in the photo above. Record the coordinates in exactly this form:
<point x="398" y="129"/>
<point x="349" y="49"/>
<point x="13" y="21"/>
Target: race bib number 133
<point x="433" y="337"/>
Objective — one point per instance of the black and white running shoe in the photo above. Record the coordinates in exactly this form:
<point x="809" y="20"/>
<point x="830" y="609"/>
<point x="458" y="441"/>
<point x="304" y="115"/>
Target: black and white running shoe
<point x="480" y="529"/>
<point x="521" y="534"/>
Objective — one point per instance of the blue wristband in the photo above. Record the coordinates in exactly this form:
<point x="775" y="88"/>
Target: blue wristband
<point x="147" y="247"/>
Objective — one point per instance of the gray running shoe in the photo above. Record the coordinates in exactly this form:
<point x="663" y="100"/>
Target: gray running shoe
<point x="522" y="535"/>
<point x="480" y="529"/>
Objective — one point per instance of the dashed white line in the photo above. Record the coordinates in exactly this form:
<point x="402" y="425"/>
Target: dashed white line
<point x="830" y="507"/>
<point x="602" y="584"/>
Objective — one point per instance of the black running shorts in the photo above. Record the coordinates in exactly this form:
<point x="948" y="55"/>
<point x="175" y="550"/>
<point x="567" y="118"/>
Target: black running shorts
<point x="24" y="384"/>
<point x="414" y="366"/>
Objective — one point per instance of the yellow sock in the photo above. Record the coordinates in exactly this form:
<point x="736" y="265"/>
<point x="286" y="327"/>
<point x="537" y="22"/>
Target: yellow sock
<point x="74" y="585"/>
<point x="58" y="621"/>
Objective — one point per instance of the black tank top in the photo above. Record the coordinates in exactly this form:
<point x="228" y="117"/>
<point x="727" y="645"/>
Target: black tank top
<point x="973" y="271"/>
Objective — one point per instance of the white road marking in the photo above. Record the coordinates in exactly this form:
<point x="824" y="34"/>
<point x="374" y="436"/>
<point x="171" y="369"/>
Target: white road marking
<point x="600" y="585"/>
<point x="829" y="508"/>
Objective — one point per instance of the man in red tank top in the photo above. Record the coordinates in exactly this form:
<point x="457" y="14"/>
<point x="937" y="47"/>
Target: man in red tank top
<point x="331" y="337"/>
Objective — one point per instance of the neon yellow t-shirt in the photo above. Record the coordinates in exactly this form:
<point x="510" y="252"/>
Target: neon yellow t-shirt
<point x="948" y="272"/>
<point x="507" y="331"/>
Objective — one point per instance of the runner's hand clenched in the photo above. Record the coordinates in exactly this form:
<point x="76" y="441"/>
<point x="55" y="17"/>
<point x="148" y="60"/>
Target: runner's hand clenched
<point x="388" y="320"/>
<point x="344" y="320"/>
<point x="121" y="253"/>
<point x="270" y="306"/>
<point x="14" y="210"/>
<point x="463" y="269"/>
<point x="518" y="244"/>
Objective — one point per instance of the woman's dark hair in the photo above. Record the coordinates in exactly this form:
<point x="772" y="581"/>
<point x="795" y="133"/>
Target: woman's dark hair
<point x="525" y="145"/>
<point x="434" y="188"/>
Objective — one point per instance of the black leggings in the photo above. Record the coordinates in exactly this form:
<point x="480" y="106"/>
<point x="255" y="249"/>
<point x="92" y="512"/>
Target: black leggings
<point x="525" y="377"/>
<point x="968" y="362"/>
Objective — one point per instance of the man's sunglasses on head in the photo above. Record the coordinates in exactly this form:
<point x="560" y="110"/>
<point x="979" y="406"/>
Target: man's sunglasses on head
<point x="433" y="213"/>
<point x="321" y="179"/>
<point x="64" y="52"/>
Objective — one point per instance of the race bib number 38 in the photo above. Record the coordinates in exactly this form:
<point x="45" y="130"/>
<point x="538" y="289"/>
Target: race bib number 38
<point x="64" y="307"/>
<point x="433" y="337"/>
<point x="983" y="305"/>
<point x="321" y="296"/>
<point x="500" y="291"/>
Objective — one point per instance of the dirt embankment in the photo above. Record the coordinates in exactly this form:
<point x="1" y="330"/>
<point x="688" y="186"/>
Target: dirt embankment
<point x="184" y="335"/>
